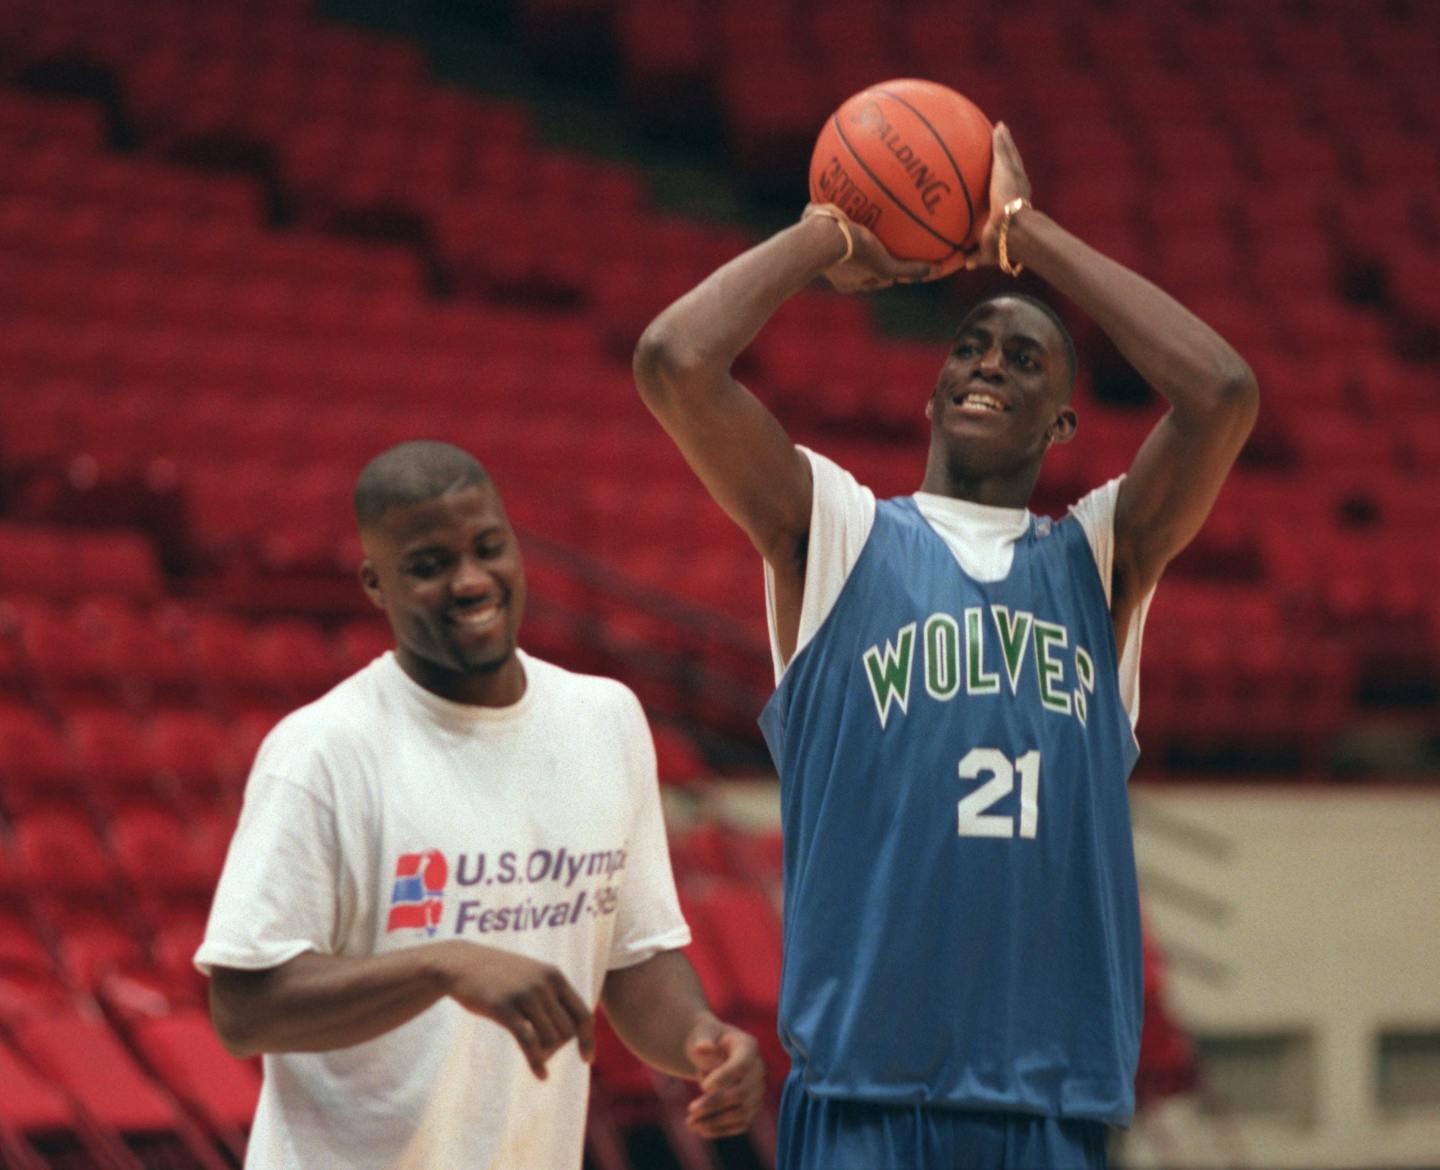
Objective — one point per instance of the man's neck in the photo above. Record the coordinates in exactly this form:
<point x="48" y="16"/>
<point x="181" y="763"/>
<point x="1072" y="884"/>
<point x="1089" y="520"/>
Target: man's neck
<point x="1011" y="490"/>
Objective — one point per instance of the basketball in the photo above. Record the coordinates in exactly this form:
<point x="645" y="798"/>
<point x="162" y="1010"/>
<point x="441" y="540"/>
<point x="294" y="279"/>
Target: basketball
<point x="910" y="160"/>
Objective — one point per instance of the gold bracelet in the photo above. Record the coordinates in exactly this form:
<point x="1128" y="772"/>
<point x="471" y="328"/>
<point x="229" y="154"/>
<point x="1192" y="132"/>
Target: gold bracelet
<point x="1009" y="212"/>
<point x="830" y="211"/>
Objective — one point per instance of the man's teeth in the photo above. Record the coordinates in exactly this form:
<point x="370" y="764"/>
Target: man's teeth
<point x="985" y="400"/>
<point x="477" y="617"/>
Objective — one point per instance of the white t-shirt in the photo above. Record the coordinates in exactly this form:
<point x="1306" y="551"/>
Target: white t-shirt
<point x="842" y="512"/>
<point x="382" y="816"/>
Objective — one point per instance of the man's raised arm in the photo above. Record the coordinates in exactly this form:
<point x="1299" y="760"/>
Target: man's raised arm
<point x="1179" y="469"/>
<point x="731" y="440"/>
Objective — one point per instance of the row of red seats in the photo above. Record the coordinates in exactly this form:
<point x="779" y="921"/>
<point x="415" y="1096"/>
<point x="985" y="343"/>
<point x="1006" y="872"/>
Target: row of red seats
<point x="785" y="68"/>
<point x="127" y="686"/>
<point x="637" y="504"/>
<point x="98" y="350"/>
<point x="39" y="232"/>
<point x="853" y="401"/>
<point x="1280" y="260"/>
<point x="519" y="260"/>
<point x="181" y="757"/>
<point x="148" y="853"/>
<point x="105" y="1049"/>
<point x="308" y="289"/>
<point x="65" y="564"/>
<point x="152" y="1090"/>
<point x="271" y="31"/>
<point x="810" y="372"/>
<point x="66" y="171"/>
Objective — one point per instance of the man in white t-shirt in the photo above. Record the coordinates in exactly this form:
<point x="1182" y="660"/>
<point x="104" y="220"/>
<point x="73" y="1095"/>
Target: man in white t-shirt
<point x="956" y="689"/>
<point x="442" y="865"/>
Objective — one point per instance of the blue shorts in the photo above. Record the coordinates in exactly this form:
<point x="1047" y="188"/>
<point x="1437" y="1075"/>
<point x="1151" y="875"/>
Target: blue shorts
<point x="826" y="1133"/>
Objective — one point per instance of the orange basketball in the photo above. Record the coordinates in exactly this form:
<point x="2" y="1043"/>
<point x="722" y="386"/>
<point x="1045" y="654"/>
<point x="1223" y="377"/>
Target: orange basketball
<point x="910" y="160"/>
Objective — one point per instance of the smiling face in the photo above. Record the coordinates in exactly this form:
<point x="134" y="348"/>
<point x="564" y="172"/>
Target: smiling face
<point x="449" y="576"/>
<point x="1001" y="399"/>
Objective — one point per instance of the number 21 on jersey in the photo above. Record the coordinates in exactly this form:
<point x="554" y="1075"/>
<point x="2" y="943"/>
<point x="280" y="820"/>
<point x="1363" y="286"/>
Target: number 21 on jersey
<point x="979" y="763"/>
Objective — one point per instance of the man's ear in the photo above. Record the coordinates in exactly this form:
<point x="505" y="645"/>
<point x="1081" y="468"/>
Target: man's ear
<point x="930" y="409"/>
<point x="1062" y="430"/>
<point x="370" y="582"/>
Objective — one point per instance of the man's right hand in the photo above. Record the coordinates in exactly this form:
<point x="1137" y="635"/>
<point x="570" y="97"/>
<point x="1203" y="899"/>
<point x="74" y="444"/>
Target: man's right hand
<point x="870" y="267"/>
<point x="532" y="1000"/>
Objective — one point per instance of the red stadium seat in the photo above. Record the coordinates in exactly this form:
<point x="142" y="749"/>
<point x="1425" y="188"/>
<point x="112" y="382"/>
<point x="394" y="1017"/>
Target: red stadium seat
<point x="361" y="642"/>
<point x="742" y="923"/>
<point x="176" y="940"/>
<point x="69" y="662"/>
<point x="57" y="564"/>
<point x="34" y="561"/>
<point x="34" y="1114"/>
<point x="184" y="1052"/>
<point x="172" y="1034"/>
<point x="680" y="761"/>
<point x="111" y="754"/>
<point x="77" y="1050"/>
<point x="35" y="761"/>
<point x="298" y="657"/>
<point x="191" y="753"/>
<point x="666" y="54"/>
<point x="61" y="855"/>
<point x="221" y="648"/>
<point x="21" y="947"/>
<point x="160" y="857"/>
<point x="94" y="944"/>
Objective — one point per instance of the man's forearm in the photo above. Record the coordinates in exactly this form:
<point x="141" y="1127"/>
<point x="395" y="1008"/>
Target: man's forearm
<point x="1172" y="349"/>
<point x="319" y="1002"/>
<point x="653" y="1007"/>
<point x="716" y="320"/>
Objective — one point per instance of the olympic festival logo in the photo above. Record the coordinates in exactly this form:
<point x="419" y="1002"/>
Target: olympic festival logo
<point x="417" y="899"/>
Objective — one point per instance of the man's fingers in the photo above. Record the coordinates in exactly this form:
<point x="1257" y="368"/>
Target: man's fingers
<point x="1004" y="141"/>
<point x="722" y="1121"/>
<point x="581" y="1019"/>
<point x="524" y="1032"/>
<point x="723" y="1076"/>
<point x="731" y="1126"/>
<point x="730" y="1092"/>
<point x="912" y="271"/>
<point x="553" y="1025"/>
<point x="719" y="1100"/>
<point x="741" y="1063"/>
<point x="585" y="1038"/>
<point x="719" y="1093"/>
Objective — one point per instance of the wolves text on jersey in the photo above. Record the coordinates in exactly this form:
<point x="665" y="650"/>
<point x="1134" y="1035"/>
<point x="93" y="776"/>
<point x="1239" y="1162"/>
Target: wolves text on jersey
<point x="983" y="658"/>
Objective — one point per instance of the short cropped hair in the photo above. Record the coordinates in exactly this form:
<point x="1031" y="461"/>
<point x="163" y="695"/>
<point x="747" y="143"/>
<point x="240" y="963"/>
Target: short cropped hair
<point x="412" y="473"/>
<point x="1055" y="319"/>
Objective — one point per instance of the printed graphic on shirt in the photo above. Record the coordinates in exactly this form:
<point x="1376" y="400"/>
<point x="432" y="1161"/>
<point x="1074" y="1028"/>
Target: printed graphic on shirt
<point x="506" y="891"/>
<point x="417" y="899"/>
<point x="981" y="657"/>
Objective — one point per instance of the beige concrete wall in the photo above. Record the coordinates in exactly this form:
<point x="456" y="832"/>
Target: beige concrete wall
<point x="1308" y="910"/>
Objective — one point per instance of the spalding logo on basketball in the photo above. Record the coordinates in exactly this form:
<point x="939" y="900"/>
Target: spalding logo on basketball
<point x="910" y="160"/>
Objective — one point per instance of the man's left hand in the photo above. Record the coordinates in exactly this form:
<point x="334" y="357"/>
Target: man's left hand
<point x="731" y="1077"/>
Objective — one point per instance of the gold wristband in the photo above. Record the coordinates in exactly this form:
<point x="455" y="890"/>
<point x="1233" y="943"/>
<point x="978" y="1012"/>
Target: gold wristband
<point x="1008" y="213"/>
<point x="830" y="211"/>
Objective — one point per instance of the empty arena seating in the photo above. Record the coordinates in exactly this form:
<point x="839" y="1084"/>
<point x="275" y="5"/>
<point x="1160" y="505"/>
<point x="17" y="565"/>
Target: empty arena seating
<point x="243" y="248"/>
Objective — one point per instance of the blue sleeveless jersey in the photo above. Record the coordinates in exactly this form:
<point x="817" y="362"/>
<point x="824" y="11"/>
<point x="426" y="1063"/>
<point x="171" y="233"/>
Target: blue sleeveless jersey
<point x="961" y="911"/>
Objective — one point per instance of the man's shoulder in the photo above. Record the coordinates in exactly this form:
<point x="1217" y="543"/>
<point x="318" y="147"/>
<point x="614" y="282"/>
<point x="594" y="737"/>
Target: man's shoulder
<point x="576" y="687"/>
<point x="345" y="715"/>
<point x="1098" y="502"/>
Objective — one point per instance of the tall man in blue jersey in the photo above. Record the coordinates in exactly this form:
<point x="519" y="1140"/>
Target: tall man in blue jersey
<point x="957" y="687"/>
